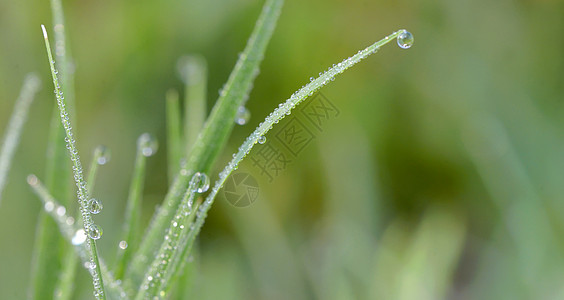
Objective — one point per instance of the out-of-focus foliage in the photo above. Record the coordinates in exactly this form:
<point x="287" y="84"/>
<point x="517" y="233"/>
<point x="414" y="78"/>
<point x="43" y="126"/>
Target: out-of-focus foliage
<point x="441" y="176"/>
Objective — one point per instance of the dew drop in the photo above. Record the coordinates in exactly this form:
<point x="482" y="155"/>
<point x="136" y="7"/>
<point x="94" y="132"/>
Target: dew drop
<point x="148" y="144"/>
<point x="95" y="206"/>
<point x="201" y="181"/>
<point x="405" y="39"/>
<point x="243" y="115"/>
<point x="61" y="210"/>
<point x="94" y="232"/>
<point x="262" y="140"/>
<point x="79" y="237"/>
<point x="122" y="245"/>
<point x="103" y="153"/>
<point x="49" y="206"/>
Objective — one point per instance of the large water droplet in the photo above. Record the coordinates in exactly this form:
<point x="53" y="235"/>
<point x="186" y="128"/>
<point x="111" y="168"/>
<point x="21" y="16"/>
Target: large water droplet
<point x="94" y="231"/>
<point x="243" y="115"/>
<point x="95" y="206"/>
<point x="79" y="237"/>
<point x="405" y="39"/>
<point x="123" y="245"/>
<point x="201" y="182"/>
<point x="148" y="144"/>
<point x="103" y="153"/>
<point x="262" y="140"/>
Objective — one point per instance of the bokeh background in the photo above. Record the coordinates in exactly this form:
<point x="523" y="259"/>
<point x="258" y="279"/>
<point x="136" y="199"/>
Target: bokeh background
<point x="442" y="177"/>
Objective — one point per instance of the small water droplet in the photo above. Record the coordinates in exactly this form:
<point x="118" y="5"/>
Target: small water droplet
<point x="405" y="39"/>
<point x="243" y="115"/>
<point x="95" y="206"/>
<point x="79" y="237"/>
<point x="49" y="206"/>
<point x="94" y="231"/>
<point x="123" y="245"/>
<point x="32" y="179"/>
<point x="61" y="210"/>
<point x="262" y="140"/>
<point x="148" y="144"/>
<point x="103" y="153"/>
<point x="201" y="182"/>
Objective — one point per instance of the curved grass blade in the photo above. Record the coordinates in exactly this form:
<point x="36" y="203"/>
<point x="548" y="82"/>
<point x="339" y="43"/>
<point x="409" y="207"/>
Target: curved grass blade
<point x="213" y="136"/>
<point x="75" y="236"/>
<point x="133" y="207"/>
<point x="15" y="125"/>
<point x="78" y="176"/>
<point x="279" y="113"/>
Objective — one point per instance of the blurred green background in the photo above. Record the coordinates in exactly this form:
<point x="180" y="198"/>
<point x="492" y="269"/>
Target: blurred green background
<point x="442" y="177"/>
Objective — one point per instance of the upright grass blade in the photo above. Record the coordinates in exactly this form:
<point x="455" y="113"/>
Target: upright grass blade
<point x="63" y="55"/>
<point x="81" y="185"/>
<point x="145" y="148"/>
<point x="193" y="70"/>
<point x="15" y="125"/>
<point x="214" y="135"/>
<point x="58" y="180"/>
<point x="279" y="113"/>
<point x="64" y="289"/>
<point x="76" y="237"/>
<point x="101" y="157"/>
<point x="173" y="135"/>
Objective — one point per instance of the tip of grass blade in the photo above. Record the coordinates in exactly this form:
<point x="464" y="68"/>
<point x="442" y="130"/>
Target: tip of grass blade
<point x="44" y="31"/>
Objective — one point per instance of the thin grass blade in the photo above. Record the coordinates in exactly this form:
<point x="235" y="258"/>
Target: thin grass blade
<point x="133" y="207"/>
<point x="78" y="175"/>
<point x="74" y="235"/>
<point x="193" y="70"/>
<point x="173" y="133"/>
<point x="278" y="114"/>
<point x="15" y="125"/>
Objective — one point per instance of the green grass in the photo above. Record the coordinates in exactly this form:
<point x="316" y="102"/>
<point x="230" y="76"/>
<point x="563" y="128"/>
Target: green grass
<point x="137" y="273"/>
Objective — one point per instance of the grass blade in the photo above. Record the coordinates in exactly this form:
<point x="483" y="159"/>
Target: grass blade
<point x="173" y="135"/>
<point x="214" y="134"/>
<point x="77" y="170"/>
<point x="145" y="148"/>
<point x="58" y="180"/>
<point x="64" y="289"/>
<point x="193" y="70"/>
<point x="76" y="237"/>
<point x="279" y="113"/>
<point x="30" y="87"/>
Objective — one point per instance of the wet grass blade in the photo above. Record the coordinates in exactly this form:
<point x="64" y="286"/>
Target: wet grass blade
<point x="74" y="235"/>
<point x="78" y="174"/>
<point x="278" y="114"/>
<point x="65" y="285"/>
<point x="173" y="134"/>
<point x="213" y="136"/>
<point x="58" y="179"/>
<point x="133" y="207"/>
<point x="15" y="125"/>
